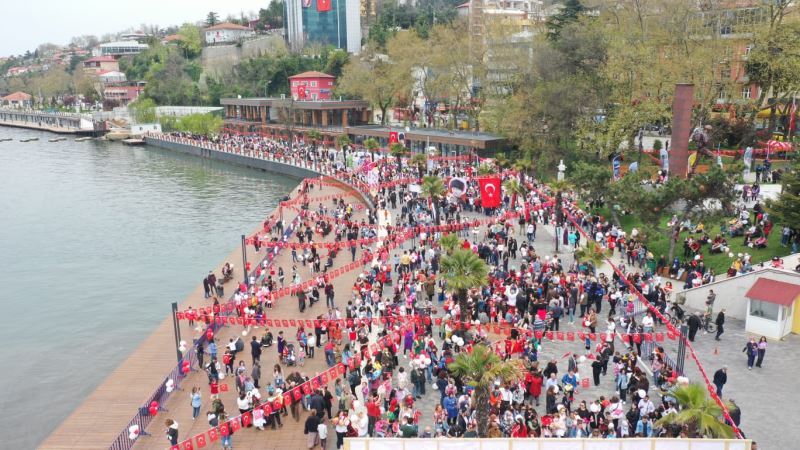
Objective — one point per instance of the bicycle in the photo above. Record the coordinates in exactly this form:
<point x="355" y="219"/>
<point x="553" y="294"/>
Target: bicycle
<point x="707" y="325"/>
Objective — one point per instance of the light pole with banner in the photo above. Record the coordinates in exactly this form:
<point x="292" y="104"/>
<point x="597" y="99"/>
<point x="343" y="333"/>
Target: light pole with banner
<point x="244" y="262"/>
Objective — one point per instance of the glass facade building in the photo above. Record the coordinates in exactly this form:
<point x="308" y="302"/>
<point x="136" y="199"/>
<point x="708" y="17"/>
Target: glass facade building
<point x="340" y="26"/>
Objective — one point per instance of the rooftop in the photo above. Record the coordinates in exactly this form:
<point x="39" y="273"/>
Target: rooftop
<point x="298" y="104"/>
<point x="18" y="96"/>
<point x="432" y="132"/>
<point x="101" y="59"/>
<point x="227" y="26"/>
<point x="773" y="291"/>
<point x="312" y="74"/>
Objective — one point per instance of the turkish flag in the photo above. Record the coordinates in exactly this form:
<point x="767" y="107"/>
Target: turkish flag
<point x="301" y="91"/>
<point x="213" y="435"/>
<point x="201" y="440"/>
<point x="323" y="5"/>
<point x="490" y="192"/>
<point x="187" y="445"/>
<point x="392" y="134"/>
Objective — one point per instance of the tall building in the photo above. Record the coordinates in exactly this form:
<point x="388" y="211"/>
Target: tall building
<point x="329" y="22"/>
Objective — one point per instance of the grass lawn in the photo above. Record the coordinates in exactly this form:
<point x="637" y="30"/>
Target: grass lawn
<point x="659" y="245"/>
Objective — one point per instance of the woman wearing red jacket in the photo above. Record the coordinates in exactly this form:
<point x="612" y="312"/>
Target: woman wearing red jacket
<point x="534" y="382"/>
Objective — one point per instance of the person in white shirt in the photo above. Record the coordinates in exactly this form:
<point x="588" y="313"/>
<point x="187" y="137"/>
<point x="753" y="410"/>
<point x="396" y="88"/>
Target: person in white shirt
<point x="322" y="434"/>
<point x="647" y="323"/>
<point x="646" y="406"/>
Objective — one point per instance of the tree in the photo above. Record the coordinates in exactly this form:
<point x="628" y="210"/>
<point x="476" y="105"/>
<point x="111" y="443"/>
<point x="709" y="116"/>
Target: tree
<point x="433" y="189"/>
<point x="449" y="242"/>
<point x="202" y="124"/>
<point x="272" y="17"/>
<point x="419" y="160"/>
<point x="786" y="209"/>
<point x="143" y="110"/>
<point x="701" y="414"/>
<point x="372" y="145"/>
<point x="314" y="136"/>
<point x="593" y="180"/>
<point x="375" y="78"/>
<point x="569" y="13"/>
<point x="560" y="187"/>
<point x="463" y="270"/>
<point x="212" y="19"/>
<point x="702" y="196"/>
<point x="592" y="253"/>
<point x="516" y="189"/>
<point x="398" y="151"/>
<point x="480" y="369"/>
<point x="343" y="141"/>
<point x="191" y="41"/>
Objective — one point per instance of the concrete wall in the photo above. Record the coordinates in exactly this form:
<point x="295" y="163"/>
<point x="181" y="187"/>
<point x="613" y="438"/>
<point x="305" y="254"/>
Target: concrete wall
<point x="220" y="59"/>
<point x="545" y="444"/>
<point x="241" y="160"/>
<point x="730" y="291"/>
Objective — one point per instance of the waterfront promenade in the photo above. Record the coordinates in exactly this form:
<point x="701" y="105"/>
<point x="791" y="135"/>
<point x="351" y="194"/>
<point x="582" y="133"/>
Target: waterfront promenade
<point x="97" y="422"/>
<point x="62" y="123"/>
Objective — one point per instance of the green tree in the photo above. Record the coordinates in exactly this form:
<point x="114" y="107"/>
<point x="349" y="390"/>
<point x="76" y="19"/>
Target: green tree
<point x="569" y="13"/>
<point x="398" y="151"/>
<point x="463" y="270"/>
<point x="449" y="243"/>
<point x="143" y="110"/>
<point x="212" y="19"/>
<point x="191" y="41"/>
<point x="592" y="253"/>
<point x="419" y="160"/>
<point x="480" y="368"/>
<point x="516" y="189"/>
<point x="314" y="136"/>
<point x="433" y="189"/>
<point x="372" y="145"/>
<point x="272" y="16"/>
<point x="786" y="209"/>
<point x="593" y="180"/>
<point x="701" y="414"/>
<point x="203" y="124"/>
<point x="376" y="79"/>
<point x="343" y="141"/>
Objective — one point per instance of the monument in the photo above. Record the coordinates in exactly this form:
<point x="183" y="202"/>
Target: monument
<point x="681" y="129"/>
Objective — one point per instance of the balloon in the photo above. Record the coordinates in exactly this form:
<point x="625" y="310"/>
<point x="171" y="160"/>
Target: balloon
<point x="132" y="436"/>
<point x="221" y="375"/>
<point x="154" y="404"/>
<point x="244" y="332"/>
<point x="183" y="343"/>
<point x="170" y="382"/>
<point x="182" y="349"/>
<point x="582" y="359"/>
<point x="153" y="411"/>
<point x="170" y="388"/>
<point x="134" y="429"/>
<point x="185" y="369"/>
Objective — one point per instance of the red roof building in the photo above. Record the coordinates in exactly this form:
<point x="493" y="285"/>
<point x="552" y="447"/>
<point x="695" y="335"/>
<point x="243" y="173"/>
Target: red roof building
<point x="99" y="64"/>
<point x="17" y="100"/>
<point x="312" y="86"/>
<point x="773" y="307"/>
<point x="773" y="291"/>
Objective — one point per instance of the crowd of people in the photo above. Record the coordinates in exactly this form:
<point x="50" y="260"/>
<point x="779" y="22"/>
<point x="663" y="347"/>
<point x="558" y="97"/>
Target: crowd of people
<point x="531" y="292"/>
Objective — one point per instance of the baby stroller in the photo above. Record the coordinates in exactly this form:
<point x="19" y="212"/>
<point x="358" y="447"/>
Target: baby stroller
<point x="289" y="355"/>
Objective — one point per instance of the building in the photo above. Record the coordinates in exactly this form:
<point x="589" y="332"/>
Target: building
<point x="123" y="95"/>
<point x="328" y="22"/>
<point x="227" y="33"/>
<point x="98" y="64"/>
<point x="311" y="86"/>
<point x="16" y="71"/>
<point x="772" y="308"/>
<point x="17" y="100"/>
<point x="120" y="48"/>
<point x="111" y="77"/>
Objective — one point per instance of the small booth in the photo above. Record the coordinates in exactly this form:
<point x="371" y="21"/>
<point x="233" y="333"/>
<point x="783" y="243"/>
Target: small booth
<point x="772" y="308"/>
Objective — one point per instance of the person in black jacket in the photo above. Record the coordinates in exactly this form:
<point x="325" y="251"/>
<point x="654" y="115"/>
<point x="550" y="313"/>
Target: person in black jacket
<point x="720" y="378"/>
<point x="694" y="324"/>
<point x="172" y="431"/>
<point x="312" y="423"/>
<point x="720" y="322"/>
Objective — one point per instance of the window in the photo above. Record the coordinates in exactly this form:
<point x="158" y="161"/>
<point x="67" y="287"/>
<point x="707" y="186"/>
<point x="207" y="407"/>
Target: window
<point x="764" y="310"/>
<point x="294" y="83"/>
<point x="313" y="84"/>
<point x="746" y="92"/>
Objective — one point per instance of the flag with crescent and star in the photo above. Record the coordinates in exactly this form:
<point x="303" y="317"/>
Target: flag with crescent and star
<point x="490" y="192"/>
<point x="323" y="5"/>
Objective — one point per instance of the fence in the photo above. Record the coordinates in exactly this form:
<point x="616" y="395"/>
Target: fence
<point x="546" y="444"/>
<point x="143" y="417"/>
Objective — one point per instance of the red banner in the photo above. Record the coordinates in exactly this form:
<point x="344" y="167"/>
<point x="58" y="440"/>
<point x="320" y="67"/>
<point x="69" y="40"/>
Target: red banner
<point x="323" y="5"/>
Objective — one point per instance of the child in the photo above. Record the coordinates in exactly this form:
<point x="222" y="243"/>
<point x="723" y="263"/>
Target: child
<point x="214" y="390"/>
<point x="322" y="433"/>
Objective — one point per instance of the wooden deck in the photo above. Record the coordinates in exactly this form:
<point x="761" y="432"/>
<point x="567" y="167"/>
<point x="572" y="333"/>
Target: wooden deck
<point x="108" y="410"/>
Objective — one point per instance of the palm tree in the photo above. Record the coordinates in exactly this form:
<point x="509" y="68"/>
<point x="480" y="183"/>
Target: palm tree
<point x="480" y="369"/>
<point x="343" y="141"/>
<point x="701" y="414"/>
<point x="592" y="253"/>
<point x="314" y="136"/>
<point x="398" y="151"/>
<point x="433" y="188"/>
<point x="486" y="169"/>
<point x="372" y="145"/>
<point x="449" y="242"/>
<point x="516" y="188"/>
<point x="463" y="270"/>
<point x="419" y="160"/>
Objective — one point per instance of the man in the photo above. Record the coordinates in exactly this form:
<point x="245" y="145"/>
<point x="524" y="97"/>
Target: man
<point x="720" y="378"/>
<point x="255" y="350"/>
<point x="720" y="322"/>
<point x="694" y="325"/>
<point x="317" y="402"/>
<point x="408" y="430"/>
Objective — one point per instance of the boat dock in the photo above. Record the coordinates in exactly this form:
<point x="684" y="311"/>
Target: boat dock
<point x="55" y="122"/>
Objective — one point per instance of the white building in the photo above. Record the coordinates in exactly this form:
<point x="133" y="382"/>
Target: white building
<point x="225" y="33"/>
<point x="119" y="48"/>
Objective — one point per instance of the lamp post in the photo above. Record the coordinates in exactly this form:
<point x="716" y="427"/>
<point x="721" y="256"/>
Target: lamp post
<point x="176" y="329"/>
<point x="244" y="262"/>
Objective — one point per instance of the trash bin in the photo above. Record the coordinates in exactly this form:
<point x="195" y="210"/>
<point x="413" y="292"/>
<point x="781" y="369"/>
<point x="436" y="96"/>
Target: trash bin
<point x="651" y="266"/>
<point x="220" y="290"/>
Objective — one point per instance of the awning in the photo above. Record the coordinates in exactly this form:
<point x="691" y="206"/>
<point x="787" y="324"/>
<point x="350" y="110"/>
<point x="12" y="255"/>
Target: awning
<point x="772" y="291"/>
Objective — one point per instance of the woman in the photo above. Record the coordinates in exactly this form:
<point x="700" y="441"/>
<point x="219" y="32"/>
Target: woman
<point x="227" y="441"/>
<point x="197" y="401"/>
<point x="172" y="431"/>
<point x="762" y="350"/>
<point x="535" y="385"/>
<point x="751" y="350"/>
<point x="550" y="400"/>
<point x="342" y="424"/>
